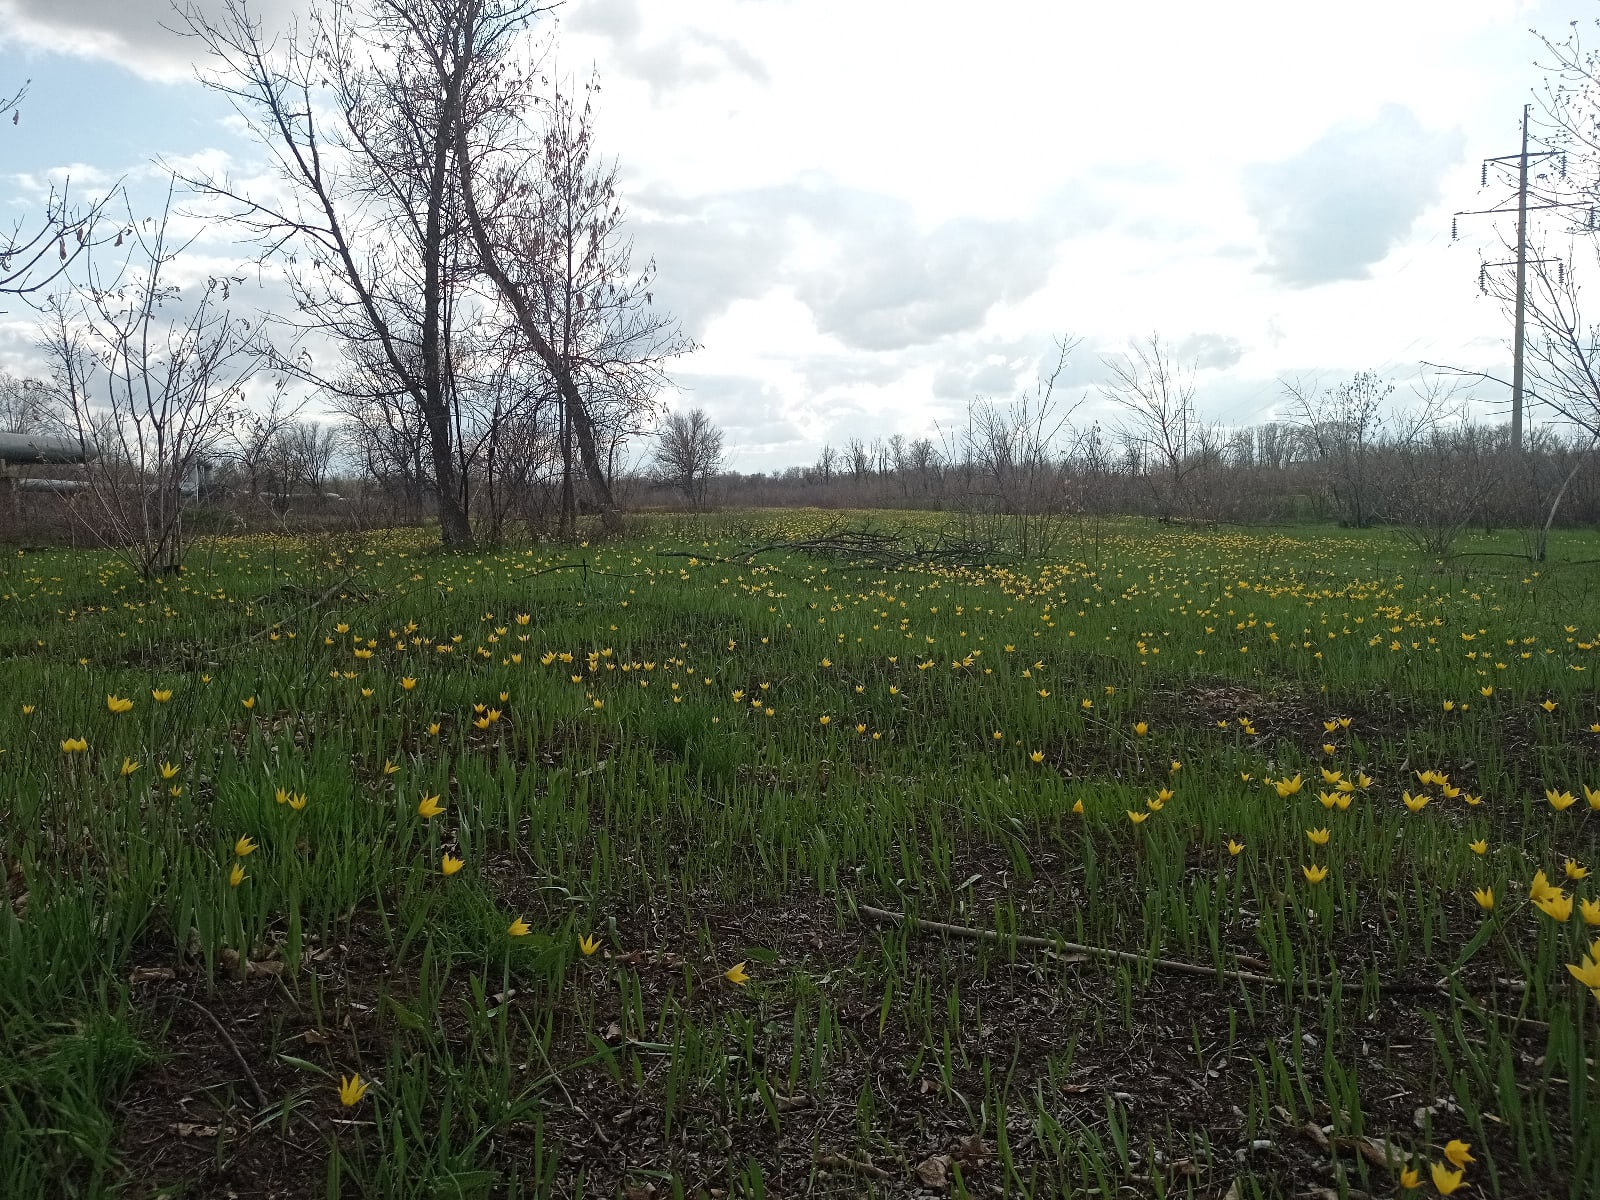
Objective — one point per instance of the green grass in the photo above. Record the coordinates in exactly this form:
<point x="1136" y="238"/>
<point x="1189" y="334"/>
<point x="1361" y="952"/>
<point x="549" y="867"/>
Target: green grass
<point x="752" y="751"/>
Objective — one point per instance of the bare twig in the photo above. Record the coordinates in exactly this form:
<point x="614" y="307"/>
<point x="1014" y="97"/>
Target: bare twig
<point x="250" y="1076"/>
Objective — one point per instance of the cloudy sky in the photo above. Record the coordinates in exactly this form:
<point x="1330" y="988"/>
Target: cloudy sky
<point x="868" y="212"/>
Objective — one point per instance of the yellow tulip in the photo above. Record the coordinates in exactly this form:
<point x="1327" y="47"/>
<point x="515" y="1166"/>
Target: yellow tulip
<point x="519" y="928"/>
<point x="1315" y="873"/>
<point x="429" y="807"/>
<point x="588" y="945"/>
<point x="1484" y="897"/>
<point x="351" y="1090"/>
<point x="1445" y="1180"/>
<point x="1560" y="801"/>
<point x="450" y="864"/>
<point x="1557" y="907"/>
<point x="736" y="975"/>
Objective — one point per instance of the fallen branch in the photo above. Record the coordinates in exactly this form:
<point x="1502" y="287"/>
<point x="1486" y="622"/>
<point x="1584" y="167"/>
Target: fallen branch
<point x="1058" y="946"/>
<point x="1063" y="947"/>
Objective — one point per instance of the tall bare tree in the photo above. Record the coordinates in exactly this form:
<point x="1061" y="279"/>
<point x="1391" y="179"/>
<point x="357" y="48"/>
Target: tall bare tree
<point x="361" y="138"/>
<point x="689" y="453"/>
<point x="547" y="224"/>
<point x="1161" y="431"/>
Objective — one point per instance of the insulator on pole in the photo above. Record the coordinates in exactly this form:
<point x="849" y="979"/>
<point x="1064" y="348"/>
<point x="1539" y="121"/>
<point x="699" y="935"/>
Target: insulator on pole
<point x="1561" y="272"/>
<point x="1563" y="166"/>
<point x="1454" y="234"/>
<point x="1483" y="179"/>
<point x="1483" y="286"/>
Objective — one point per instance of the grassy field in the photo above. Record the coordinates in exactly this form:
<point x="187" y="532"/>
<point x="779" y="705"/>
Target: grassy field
<point x="616" y="871"/>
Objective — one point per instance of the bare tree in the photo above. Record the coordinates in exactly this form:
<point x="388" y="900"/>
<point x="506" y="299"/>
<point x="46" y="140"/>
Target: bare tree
<point x="27" y="406"/>
<point x="153" y="379"/>
<point x="250" y="448"/>
<point x="689" y="453"/>
<point x="347" y="109"/>
<point x="1013" y="455"/>
<point x="1161" y="430"/>
<point x="308" y="449"/>
<point x="1340" y="428"/>
<point x="1439" y="470"/>
<point x="547" y="227"/>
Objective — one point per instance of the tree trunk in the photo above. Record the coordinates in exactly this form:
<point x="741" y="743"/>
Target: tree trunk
<point x="455" y="530"/>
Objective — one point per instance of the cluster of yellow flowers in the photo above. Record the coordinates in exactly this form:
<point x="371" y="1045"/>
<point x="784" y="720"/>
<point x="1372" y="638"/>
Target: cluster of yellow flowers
<point x="1445" y="1179"/>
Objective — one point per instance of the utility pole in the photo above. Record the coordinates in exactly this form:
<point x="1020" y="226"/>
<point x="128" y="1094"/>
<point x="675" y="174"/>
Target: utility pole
<point x="1522" y="288"/>
<point x="1522" y="262"/>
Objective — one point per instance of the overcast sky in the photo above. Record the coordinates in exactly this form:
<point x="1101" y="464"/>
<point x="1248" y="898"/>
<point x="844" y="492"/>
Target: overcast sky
<point x="868" y="212"/>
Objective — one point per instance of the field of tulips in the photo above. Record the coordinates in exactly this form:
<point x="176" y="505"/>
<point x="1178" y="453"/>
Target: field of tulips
<point x="1188" y="863"/>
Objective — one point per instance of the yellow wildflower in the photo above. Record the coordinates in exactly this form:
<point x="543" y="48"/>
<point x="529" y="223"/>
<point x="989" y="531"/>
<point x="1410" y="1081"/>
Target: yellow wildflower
<point x="1557" y="907"/>
<point x="1444" y="1179"/>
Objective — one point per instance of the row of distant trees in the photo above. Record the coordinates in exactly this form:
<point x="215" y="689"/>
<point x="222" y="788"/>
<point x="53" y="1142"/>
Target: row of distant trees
<point x="1351" y="453"/>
